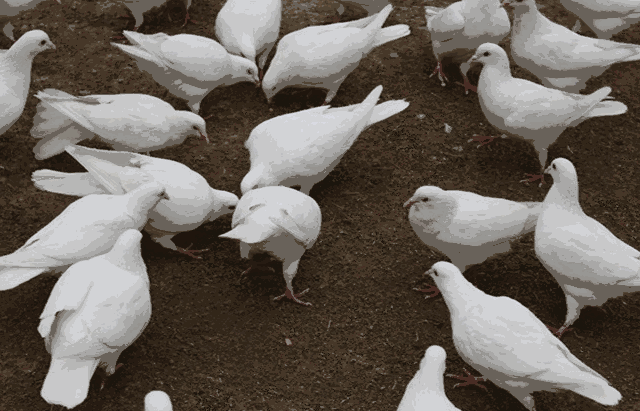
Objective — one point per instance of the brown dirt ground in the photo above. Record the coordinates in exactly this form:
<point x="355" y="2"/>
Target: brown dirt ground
<point x="215" y="343"/>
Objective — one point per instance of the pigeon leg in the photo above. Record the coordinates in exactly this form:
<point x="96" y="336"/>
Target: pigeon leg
<point x="289" y="270"/>
<point x="468" y="380"/>
<point x="430" y="289"/>
<point x="483" y="140"/>
<point x="559" y="332"/>
<point x="440" y="73"/>
<point x="468" y="86"/>
<point x="188" y="19"/>
<point x="191" y="253"/>
<point x="104" y="379"/>
<point x="534" y="177"/>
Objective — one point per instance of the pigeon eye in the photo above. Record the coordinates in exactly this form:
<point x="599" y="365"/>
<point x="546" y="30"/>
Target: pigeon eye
<point x="486" y="53"/>
<point x="424" y="200"/>
<point x="43" y="42"/>
<point x="232" y="207"/>
<point x="195" y="127"/>
<point x="435" y="273"/>
<point x="553" y="166"/>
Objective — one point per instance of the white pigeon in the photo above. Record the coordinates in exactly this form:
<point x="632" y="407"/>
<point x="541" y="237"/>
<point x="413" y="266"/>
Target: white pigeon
<point x="87" y="228"/>
<point x="556" y="55"/>
<point x="11" y="8"/>
<point x="530" y="111"/>
<point x="510" y="346"/>
<point x="370" y="6"/>
<point x="188" y="66"/>
<point x="280" y="222"/>
<point x="459" y="29"/>
<point x="302" y="148"/>
<point x="15" y="75"/>
<point x="426" y="390"/>
<point x="586" y="259"/>
<point x="139" y="7"/>
<point x="95" y="311"/>
<point x="193" y="202"/>
<point x="157" y="401"/>
<point x="323" y="56"/>
<point x="128" y="122"/>
<point x="604" y="18"/>
<point x="467" y="227"/>
<point x="249" y="28"/>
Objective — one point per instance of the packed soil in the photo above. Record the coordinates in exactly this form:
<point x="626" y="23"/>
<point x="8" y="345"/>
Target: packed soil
<point x="216" y="342"/>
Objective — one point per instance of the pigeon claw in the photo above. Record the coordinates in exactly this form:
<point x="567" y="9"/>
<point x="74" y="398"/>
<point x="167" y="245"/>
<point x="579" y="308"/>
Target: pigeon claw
<point x="559" y="332"/>
<point x="188" y="19"/>
<point x="440" y="73"/>
<point x="534" y="177"/>
<point x="430" y="289"/>
<point x="192" y="253"/>
<point x="104" y="379"/>
<point x="483" y="140"/>
<point x="293" y="297"/>
<point x="468" y="380"/>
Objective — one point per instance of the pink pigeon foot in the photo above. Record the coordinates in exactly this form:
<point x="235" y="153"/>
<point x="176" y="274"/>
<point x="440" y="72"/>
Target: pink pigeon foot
<point x="188" y="19"/>
<point x="468" y="86"/>
<point x="191" y="253"/>
<point x="440" y="73"/>
<point x="483" y="140"/>
<point x="104" y="380"/>
<point x="293" y="297"/>
<point x="534" y="177"/>
<point x="430" y="289"/>
<point x="559" y="332"/>
<point x="468" y="380"/>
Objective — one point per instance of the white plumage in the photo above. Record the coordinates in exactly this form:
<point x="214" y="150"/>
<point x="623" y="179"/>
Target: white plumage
<point x="96" y="310"/>
<point x="157" y="401"/>
<point x="188" y="66"/>
<point x="530" y="111"/>
<point x="87" y="228"/>
<point x="467" y="227"/>
<point x="605" y="18"/>
<point x="586" y="259"/>
<point x="128" y="122"/>
<point x="511" y="347"/>
<point x="302" y="148"/>
<point x="192" y="201"/>
<point x="426" y="390"/>
<point x="556" y="55"/>
<point x="280" y="222"/>
<point x="323" y="56"/>
<point x="249" y="28"/>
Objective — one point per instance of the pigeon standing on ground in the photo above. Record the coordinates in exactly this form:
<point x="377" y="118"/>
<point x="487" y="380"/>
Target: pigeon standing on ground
<point x="193" y="202"/>
<point x="467" y="227"/>
<point x="323" y="56"/>
<point x="128" y="122"/>
<point x="530" y="111"/>
<point x="96" y="310"/>
<point x="249" y="28"/>
<point x="604" y="18"/>
<point x="280" y="222"/>
<point x="302" y="148"/>
<point x="188" y="66"/>
<point x="15" y="75"/>
<point x="510" y="346"/>
<point x="426" y="390"/>
<point x="157" y="401"/>
<point x="458" y="30"/>
<point x="556" y="55"/>
<point x="87" y="228"/>
<point x="11" y="8"/>
<point x="586" y="259"/>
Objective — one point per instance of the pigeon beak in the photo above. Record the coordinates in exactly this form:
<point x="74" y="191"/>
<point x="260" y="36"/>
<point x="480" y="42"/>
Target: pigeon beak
<point x="472" y="59"/>
<point x="409" y="203"/>
<point x="430" y="273"/>
<point x="52" y="46"/>
<point x="204" y="137"/>
<point x="548" y="170"/>
<point x="165" y="196"/>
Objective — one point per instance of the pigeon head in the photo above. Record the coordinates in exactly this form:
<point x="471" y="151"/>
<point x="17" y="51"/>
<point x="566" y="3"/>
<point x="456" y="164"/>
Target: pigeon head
<point x="426" y="198"/>
<point x="157" y="401"/>
<point x="490" y="54"/>
<point x="451" y="283"/>
<point x="257" y="177"/>
<point x="33" y="42"/>
<point x="565" y="178"/>
<point x="192" y="124"/>
<point x="246" y="70"/>
<point x="277" y="77"/>
<point x="224" y="203"/>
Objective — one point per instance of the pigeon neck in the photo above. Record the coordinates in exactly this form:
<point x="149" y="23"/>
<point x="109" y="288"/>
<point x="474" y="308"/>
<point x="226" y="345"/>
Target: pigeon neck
<point x="460" y="297"/>
<point x="140" y="203"/>
<point x="564" y="195"/>
<point x="524" y="16"/>
<point x="128" y="257"/>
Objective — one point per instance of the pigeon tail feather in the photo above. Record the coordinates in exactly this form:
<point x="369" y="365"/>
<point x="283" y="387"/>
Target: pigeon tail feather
<point x="600" y="392"/>
<point x="607" y="108"/>
<point x="388" y="34"/>
<point x="75" y="184"/>
<point x="67" y="382"/>
<point x="387" y="109"/>
<point x="11" y="277"/>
